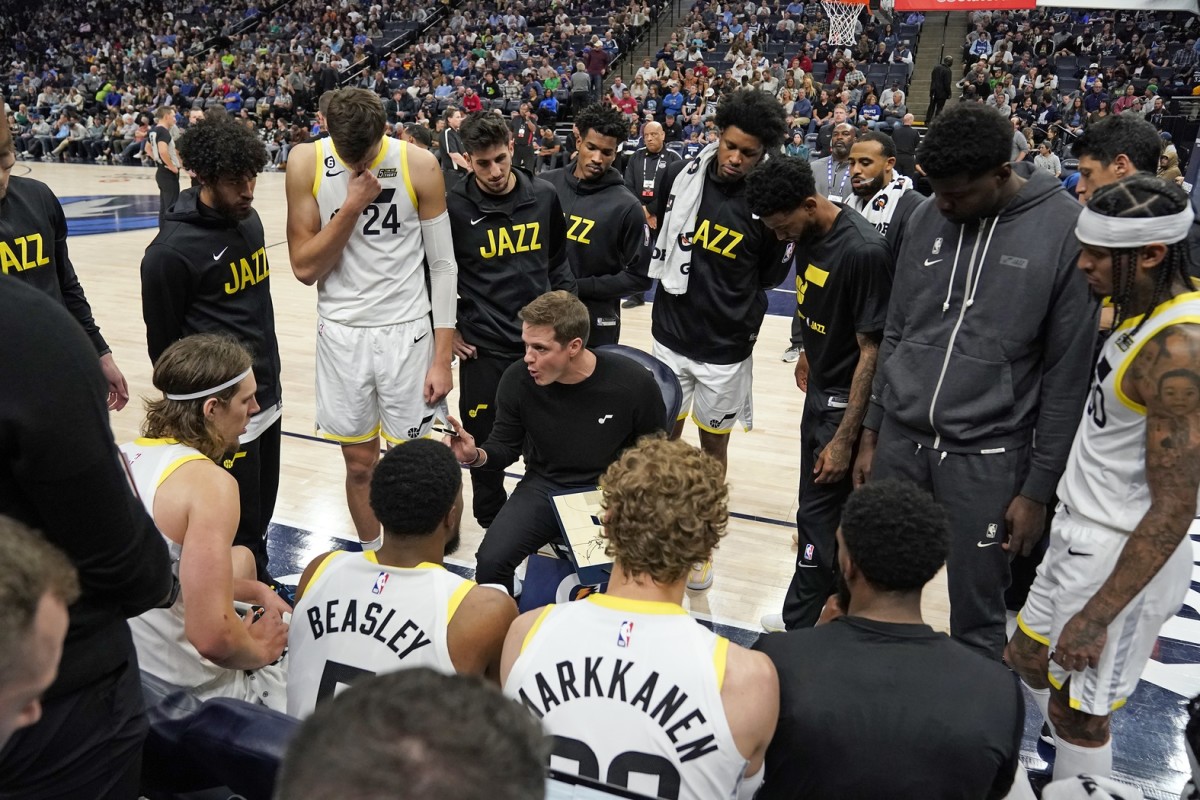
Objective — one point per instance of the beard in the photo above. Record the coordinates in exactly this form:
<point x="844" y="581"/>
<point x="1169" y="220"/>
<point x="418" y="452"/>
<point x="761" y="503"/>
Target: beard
<point x="452" y="544"/>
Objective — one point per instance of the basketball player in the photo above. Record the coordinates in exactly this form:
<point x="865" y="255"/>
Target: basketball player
<point x="365" y="214"/>
<point x="988" y="340"/>
<point x="360" y="614"/>
<point x="510" y="243"/>
<point x="68" y="481"/>
<point x="199" y="643"/>
<point x="832" y="177"/>
<point x="207" y="271"/>
<point x="570" y="412"/>
<point x="1120" y="560"/>
<point x="717" y="261"/>
<point x="644" y="175"/>
<point x="33" y="249"/>
<point x="632" y="690"/>
<point x="608" y="240"/>
<point x="166" y="159"/>
<point x="873" y="679"/>
<point x="413" y="735"/>
<point x="37" y="583"/>
<point x="885" y="197"/>
<point x="844" y="268"/>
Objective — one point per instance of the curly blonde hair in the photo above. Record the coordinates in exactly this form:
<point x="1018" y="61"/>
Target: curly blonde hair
<point x="667" y="506"/>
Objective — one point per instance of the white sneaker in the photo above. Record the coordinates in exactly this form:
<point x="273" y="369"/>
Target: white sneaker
<point x="791" y="355"/>
<point x="701" y="576"/>
<point x="772" y="623"/>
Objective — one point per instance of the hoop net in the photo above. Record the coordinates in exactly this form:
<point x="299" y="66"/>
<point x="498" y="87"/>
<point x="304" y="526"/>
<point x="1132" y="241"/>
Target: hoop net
<point x="842" y="16"/>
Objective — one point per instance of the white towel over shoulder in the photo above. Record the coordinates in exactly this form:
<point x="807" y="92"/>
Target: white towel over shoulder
<point x="672" y="263"/>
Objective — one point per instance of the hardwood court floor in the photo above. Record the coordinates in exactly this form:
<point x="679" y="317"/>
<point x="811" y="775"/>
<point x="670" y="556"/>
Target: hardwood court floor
<point x="755" y="561"/>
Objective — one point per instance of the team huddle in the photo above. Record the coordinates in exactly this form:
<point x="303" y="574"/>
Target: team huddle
<point x="945" y="347"/>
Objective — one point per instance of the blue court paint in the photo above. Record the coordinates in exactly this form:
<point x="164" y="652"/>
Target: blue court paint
<point x="1148" y="731"/>
<point x="92" y="214"/>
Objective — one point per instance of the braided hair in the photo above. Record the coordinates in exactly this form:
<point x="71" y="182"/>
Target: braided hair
<point x="1143" y="196"/>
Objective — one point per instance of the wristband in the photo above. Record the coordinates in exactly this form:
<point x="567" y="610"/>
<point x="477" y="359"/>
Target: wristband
<point x="479" y="453"/>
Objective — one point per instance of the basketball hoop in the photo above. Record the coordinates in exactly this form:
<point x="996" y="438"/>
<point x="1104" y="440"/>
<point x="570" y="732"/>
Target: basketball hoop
<point x="842" y="16"/>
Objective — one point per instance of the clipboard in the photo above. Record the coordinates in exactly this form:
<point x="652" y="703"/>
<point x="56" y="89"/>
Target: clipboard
<point x="578" y="514"/>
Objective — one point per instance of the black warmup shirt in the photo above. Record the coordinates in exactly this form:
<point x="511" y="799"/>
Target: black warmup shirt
<point x="61" y="473"/>
<point x="874" y="709"/>
<point x="33" y="249"/>
<point x="451" y="142"/>
<point x="843" y="283"/>
<point x="510" y="250"/>
<point x="207" y="274"/>
<point x="608" y="240"/>
<point x="735" y="260"/>
<point x="570" y="433"/>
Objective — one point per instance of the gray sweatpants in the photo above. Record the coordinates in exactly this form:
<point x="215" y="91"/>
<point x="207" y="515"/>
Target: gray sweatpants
<point x="975" y="490"/>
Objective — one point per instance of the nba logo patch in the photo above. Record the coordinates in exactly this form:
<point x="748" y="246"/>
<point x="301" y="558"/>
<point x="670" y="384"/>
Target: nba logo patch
<point x="624" y="633"/>
<point x="993" y="529"/>
<point x="380" y="582"/>
<point x="937" y="246"/>
<point x="809" y="552"/>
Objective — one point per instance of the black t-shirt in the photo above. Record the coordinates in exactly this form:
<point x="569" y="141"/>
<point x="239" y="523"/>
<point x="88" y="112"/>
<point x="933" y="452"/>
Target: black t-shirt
<point x="451" y="142"/>
<point x="159" y="134"/>
<point x="873" y="709"/>
<point x="570" y="433"/>
<point x="843" y="283"/>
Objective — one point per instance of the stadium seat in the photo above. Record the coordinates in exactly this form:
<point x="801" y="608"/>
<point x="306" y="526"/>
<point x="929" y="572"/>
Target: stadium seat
<point x="196" y="745"/>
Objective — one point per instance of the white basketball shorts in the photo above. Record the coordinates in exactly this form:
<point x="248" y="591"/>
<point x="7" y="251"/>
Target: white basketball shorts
<point x="717" y="395"/>
<point x="1079" y="560"/>
<point x="371" y="381"/>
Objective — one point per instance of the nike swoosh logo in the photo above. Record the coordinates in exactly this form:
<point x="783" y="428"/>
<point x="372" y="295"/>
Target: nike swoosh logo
<point x="929" y="263"/>
<point x="217" y="256"/>
<point x="477" y="221"/>
<point x="985" y="544"/>
<point x="1072" y="552"/>
<point x="334" y="174"/>
<point x="422" y="336"/>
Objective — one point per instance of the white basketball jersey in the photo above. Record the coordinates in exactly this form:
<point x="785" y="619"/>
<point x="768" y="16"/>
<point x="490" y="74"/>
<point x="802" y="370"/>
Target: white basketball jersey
<point x="1105" y="478"/>
<point x="359" y="617"/>
<point x="162" y="647"/>
<point x="380" y="277"/>
<point x="631" y="692"/>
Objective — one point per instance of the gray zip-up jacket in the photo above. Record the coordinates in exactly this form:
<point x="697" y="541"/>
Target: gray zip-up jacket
<point x="989" y="335"/>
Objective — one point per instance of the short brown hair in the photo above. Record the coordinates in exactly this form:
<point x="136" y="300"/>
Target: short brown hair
<point x="163" y="112"/>
<point x="562" y="311"/>
<point x="667" y="506"/>
<point x="482" y="130"/>
<point x="356" y="121"/>
<point x="30" y="568"/>
<point x="193" y="364"/>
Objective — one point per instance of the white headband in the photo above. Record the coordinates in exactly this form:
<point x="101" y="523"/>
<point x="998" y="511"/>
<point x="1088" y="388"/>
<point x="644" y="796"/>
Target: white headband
<point x="210" y="392"/>
<point x="1101" y="231"/>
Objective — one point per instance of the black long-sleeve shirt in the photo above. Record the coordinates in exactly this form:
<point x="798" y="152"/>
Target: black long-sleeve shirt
<point x="570" y="432"/>
<point x="61" y="474"/>
<point x="206" y="274"/>
<point x="33" y="248"/>
<point x="608" y="240"/>
<point x="510" y="250"/>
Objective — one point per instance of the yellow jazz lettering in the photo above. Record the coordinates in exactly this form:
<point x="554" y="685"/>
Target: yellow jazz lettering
<point x="500" y="241"/>
<point x="244" y="275"/>
<point x="33" y="254"/>
<point x="582" y="236"/>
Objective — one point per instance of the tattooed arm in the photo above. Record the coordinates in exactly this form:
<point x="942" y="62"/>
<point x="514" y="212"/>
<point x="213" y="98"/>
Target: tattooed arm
<point x="1171" y="358"/>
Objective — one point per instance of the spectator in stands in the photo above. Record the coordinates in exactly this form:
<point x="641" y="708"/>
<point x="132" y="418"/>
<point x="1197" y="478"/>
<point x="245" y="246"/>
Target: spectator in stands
<point x="1047" y="160"/>
<point x="448" y="736"/>
<point x="939" y="88"/>
<point x="37" y="583"/>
